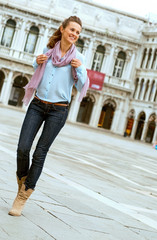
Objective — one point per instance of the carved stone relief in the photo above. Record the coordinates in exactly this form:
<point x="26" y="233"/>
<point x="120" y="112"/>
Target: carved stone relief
<point x="76" y="9"/>
<point x="110" y="101"/>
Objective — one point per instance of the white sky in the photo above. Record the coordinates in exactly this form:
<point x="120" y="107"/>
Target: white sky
<point x="138" y="7"/>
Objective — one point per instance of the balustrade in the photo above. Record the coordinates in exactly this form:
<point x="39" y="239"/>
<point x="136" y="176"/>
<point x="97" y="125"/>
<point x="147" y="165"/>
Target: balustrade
<point x="9" y="52"/>
<point x="124" y="83"/>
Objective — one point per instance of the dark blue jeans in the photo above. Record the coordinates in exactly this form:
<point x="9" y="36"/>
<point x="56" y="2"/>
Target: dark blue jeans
<point x="54" y="118"/>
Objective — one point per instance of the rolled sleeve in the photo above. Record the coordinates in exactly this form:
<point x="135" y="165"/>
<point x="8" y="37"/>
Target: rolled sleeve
<point x="35" y="65"/>
<point x="82" y="76"/>
<point x="81" y="72"/>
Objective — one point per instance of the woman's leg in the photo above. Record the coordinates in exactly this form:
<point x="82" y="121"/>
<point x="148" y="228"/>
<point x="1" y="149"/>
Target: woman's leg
<point x="31" y="125"/>
<point x="32" y="122"/>
<point x="55" y="120"/>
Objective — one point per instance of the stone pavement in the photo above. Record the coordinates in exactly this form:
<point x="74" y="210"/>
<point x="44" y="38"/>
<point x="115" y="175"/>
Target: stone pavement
<point x="95" y="186"/>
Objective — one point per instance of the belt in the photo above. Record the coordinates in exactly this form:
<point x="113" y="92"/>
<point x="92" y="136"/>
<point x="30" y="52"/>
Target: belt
<point x="55" y="104"/>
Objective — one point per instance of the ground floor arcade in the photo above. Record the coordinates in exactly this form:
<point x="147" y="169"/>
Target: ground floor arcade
<point x="98" y="109"/>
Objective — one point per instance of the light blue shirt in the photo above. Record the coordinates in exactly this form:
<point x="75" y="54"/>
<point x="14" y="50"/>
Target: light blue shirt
<point x="57" y="82"/>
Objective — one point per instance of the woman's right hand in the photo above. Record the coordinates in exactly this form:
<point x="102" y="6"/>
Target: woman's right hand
<point x="41" y="59"/>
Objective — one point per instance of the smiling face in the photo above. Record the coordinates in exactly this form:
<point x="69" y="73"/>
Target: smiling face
<point x="70" y="33"/>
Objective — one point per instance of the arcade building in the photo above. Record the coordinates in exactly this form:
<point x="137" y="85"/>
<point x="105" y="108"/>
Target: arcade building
<point x="121" y="57"/>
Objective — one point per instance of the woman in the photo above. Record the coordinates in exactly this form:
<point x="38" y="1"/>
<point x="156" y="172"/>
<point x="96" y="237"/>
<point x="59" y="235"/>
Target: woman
<point x="57" y="70"/>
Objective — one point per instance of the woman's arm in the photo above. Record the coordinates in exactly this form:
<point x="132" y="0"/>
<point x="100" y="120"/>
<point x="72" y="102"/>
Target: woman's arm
<point x="80" y="70"/>
<point x="40" y="58"/>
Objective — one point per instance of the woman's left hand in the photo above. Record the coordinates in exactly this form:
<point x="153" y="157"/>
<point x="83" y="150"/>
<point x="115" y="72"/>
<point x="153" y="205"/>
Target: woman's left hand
<point x="75" y="63"/>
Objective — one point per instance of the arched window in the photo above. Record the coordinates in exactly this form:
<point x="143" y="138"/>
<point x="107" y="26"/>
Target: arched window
<point x="2" y="76"/>
<point x="146" y="90"/>
<point x="79" y="45"/>
<point x="98" y="58"/>
<point x="154" y="59"/>
<point x="119" y="64"/>
<point x="143" y="58"/>
<point x="149" y="57"/>
<point x="136" y="85"/>
<point x="17" y="92"/>
<point x="31" y="41"/>
<point x="8" y="33"/>
<point x="141" y="89"/>
<point x="152" y="90"/>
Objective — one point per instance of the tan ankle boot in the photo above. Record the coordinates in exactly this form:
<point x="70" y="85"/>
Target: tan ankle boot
<point x="20" y="201"/>
<point x="20" y="182"/>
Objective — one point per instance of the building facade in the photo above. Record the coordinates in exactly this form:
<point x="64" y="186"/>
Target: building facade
<point x="120" y="45"/>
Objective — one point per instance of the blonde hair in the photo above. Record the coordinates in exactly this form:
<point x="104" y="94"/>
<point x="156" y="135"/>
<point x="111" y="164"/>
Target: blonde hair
<point x="57" y="34"/>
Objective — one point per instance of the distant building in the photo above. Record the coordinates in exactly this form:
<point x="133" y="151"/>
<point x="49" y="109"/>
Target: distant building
<point x="118" y="44"/>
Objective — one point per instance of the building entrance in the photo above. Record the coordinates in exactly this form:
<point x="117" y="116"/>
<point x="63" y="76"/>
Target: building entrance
<point x="2" y="76"/>
<point x="85" y="110"/>
<point x="140" y="126"/>
<point x="151" y="129"/>
<point x="106" y="116"/>
<point x="17" y="92"/>
<point x="130" y="123"/>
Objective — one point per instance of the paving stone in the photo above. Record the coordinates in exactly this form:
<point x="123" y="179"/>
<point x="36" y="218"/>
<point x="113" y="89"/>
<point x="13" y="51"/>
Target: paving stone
<point x="51" y="207"/>
<point x="94" y="189"/>
<point x="56" y="227"/>
<point x="20" y="227"/>
<point x="104" y="226"/>
<point x="147" y="235"/>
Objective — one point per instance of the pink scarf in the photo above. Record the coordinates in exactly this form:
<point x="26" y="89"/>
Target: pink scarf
<point x="55" y="55"/>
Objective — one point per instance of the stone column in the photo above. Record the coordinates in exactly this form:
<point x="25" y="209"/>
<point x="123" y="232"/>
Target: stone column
<point x="117" y="118"/>
<point x="16" y="44"/>
<point x="20" y="36"/>
<point x="91" y="52"/>
<point x="126" y="66"/>
<point x="38" y="45"/>
<point x="74" y="109"/>
<point x="3" y="91"/>
<point x="52" y="6"/>
<point x="114" y="120"/>
<point x="96" y="112"/>
<point x="1" y="26"/>
<point x="144" y="132"/>
<point x="154" y="92"/>
<point x="143" y="91"/>
<point x="15" y="38"/>
<point x="25" y="28"/>
<point x="155" y="64"/>
<point x="106" y="60"/>
<point x="149" y="90"/>
<point x="124" y="115"/>
<point x="42" y="40"/>
<point x="86" y="48"/>
<point x="3" y="23"/>
<point x="130" y="66"/>
<point x="8" y="88"/>
<point x="134" y="128"/>
<point x="111" y="61"/>
<point x="155" y="135"/>
<point x="137" y="90"/>
<point x="103" y="63"/>
<point x="70" y="114"/>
